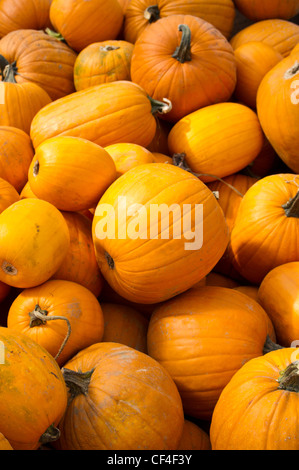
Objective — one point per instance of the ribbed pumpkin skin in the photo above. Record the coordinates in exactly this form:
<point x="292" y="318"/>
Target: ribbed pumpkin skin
<point x="38" y="397"/>
<point x="221" y="14"/>
<point x="263" y="9"/>
<point x="194" y="438"/>
<point x="59" y="298"/>
<point x="105" y="114"/>
<point x="263" y="236"/>
<point x="131" y="392"/>
<point x="21" y="14"/>
<point x="34" y="241"/>
<point x="40" y="59"/>
<point x="234" y="130"/>
<point x="208" y="78"/>
<point x="16" y="153"/>
<point x="82" y="23"/>
<point x="282" y="35"/>
<point x="151" y="269"/>
<point x="278" y="92"/>
<point x="241" y="417"/>
<point x="279" y="294"/>
<point x="70" y="172"/>
<point x="202" y="337"/>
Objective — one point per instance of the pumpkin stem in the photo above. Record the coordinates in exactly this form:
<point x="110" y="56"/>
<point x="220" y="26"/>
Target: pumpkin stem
<point x="3" y="63"/>
<point x="54" y="34"/>
<point x="291" y="72"/>
<point x="270" y="345"/>
<point x="50" y="435"/>
<point x="183" y="51"/>
<point x="152" y="13"/>
<point x="289" y="378"/>
<point x="9" y="73"/>
<point x="9" y="269"/>
<point x="36" y="168"/>
<point x="110" y="260"/>
<point x="40" y="317"/>
<point x="109" y="48"/>
<point x="77" y="382"/>
<point x="159" y="106"/>
<point x="291" y="208"/>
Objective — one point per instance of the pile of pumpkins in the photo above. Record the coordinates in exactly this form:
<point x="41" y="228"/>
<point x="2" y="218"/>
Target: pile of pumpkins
<point x="110" y="338"/>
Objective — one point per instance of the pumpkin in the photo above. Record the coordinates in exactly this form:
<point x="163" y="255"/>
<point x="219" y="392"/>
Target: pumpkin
<point x="103" y="62"/>
<point x="254" y="411"/>
<point x="142" y="13"/>
<point x="8" y="194"/>
<point x="251" y="291"/>
<point x="124" y="4"/>
<point x="106" y="114"/>
<point x="20" y="101"/>
<point x="62" y="316"/>
<point x="254" y="59"/>
<point x="194" y="438"/>
<point x="127" y="156"/>
<point x="143" y="259"/>
<point x="278" y="293"/>
<point x="27" y="191"/>
<point x="70" y="172"/>
<point x="278" y="92"/>
<point x="280" y="34"/>
<point x="34" y="239"/>
<point x="16" y="153"/>
<point x="82" y="23"/>
<point x="39" y="58"/>
<point x="216" y="279"/>
<point x="125" y="393"/>
<point x="32" y="407"/>
<point x="80" y="264"/>
<point x="125" y="325"/>
<point x="161" y="158"/>
<point x="202" y="337"/>
<point x="263" y="9"/>
<point x="4" y="443"/>
<point x="265" y="231"/>
<point x="194" y="54"/>
<point x="24" y="14"/>
<point x="232" y="128"/>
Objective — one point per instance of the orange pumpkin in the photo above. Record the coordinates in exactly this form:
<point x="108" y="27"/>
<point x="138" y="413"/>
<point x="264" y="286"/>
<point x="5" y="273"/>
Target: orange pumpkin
<point x="161" y="158"/>
<point x="34" y="240"/>
<point x="103" y="62"/>
<point x="199" y="339"/>
<point x="82" y="23"/>
<point x="8" y="195"/>
<point x="124" y="325"/>
<point x="194" y="438"/>
<point x="70" y="172"/>
<point x="27" y="191"/>
<point x="197" y="57"/>
<point x="24" y="14"/>
<point x="278" y="92"/>
<point x="265" y="231"/>
<point x="127" y="156"/>
<point x="142" y="13"/>
<point x="278" y="293"/>
<point x="130" y="391"/>
<point x="251" y="291"/>
<point x="216" y="279"/>
<point x="31" y="409"/>
<point x="234" y="130"/>
<point x="80" y="264"/>
<point x="280" y="34"/>
<point x="62" y="316"/>
<point x="265" y="387"/>
<point x="144" y="260"/>
<point x="106" y="114"/>
<point x="4" y="443"/>
<point x="263" y="9"/>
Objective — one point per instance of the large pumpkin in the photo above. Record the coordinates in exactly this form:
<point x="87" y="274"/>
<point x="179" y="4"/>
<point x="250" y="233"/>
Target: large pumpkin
<point x="279" y="93"/>
<point x="142" y="243"/>
<point x="187" y="60"/>
<point x="265" y="233"/>
<point x="263" y="9"/>
<point x="33" y="392"/>
<point x="129" y="400"/>
<point x="257" y="410"/>
<point x="141" y="13"/>
<point x="106" y="114"/>
<point x="34" y="239"/>
<point x="202" y="337"/>
<point x="218" y="140"/>
<point x="24" y="14"/>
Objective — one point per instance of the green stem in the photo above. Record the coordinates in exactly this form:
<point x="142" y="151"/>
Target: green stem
<point x="152" y="13"/>
<point x="183" y="51"/>
<point x="54" y="34"/>
<point x="291" y="208"/>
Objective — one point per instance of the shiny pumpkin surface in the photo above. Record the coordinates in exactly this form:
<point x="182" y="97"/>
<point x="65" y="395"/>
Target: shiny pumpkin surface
<point x="127" y="156"/>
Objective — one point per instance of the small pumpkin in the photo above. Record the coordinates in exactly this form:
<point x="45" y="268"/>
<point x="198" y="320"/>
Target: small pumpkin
<point x="130" y="391"/>
<point x="251" y="291"/>
<point x="31" y="409"/>
<point x="127" y="156"/>
<point x="27" y="191"/>
<point x="216" y="279"/>
<point x="70" y="172"/>
<point x="161" y="158"/>
<point x="34" y="240"/>
<point x="194" y="438"/>
<point x="103" y="62"/>
<point x="62" y="316"/>
<point x="24" y="14"/>
<point x="262" y="9"/>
